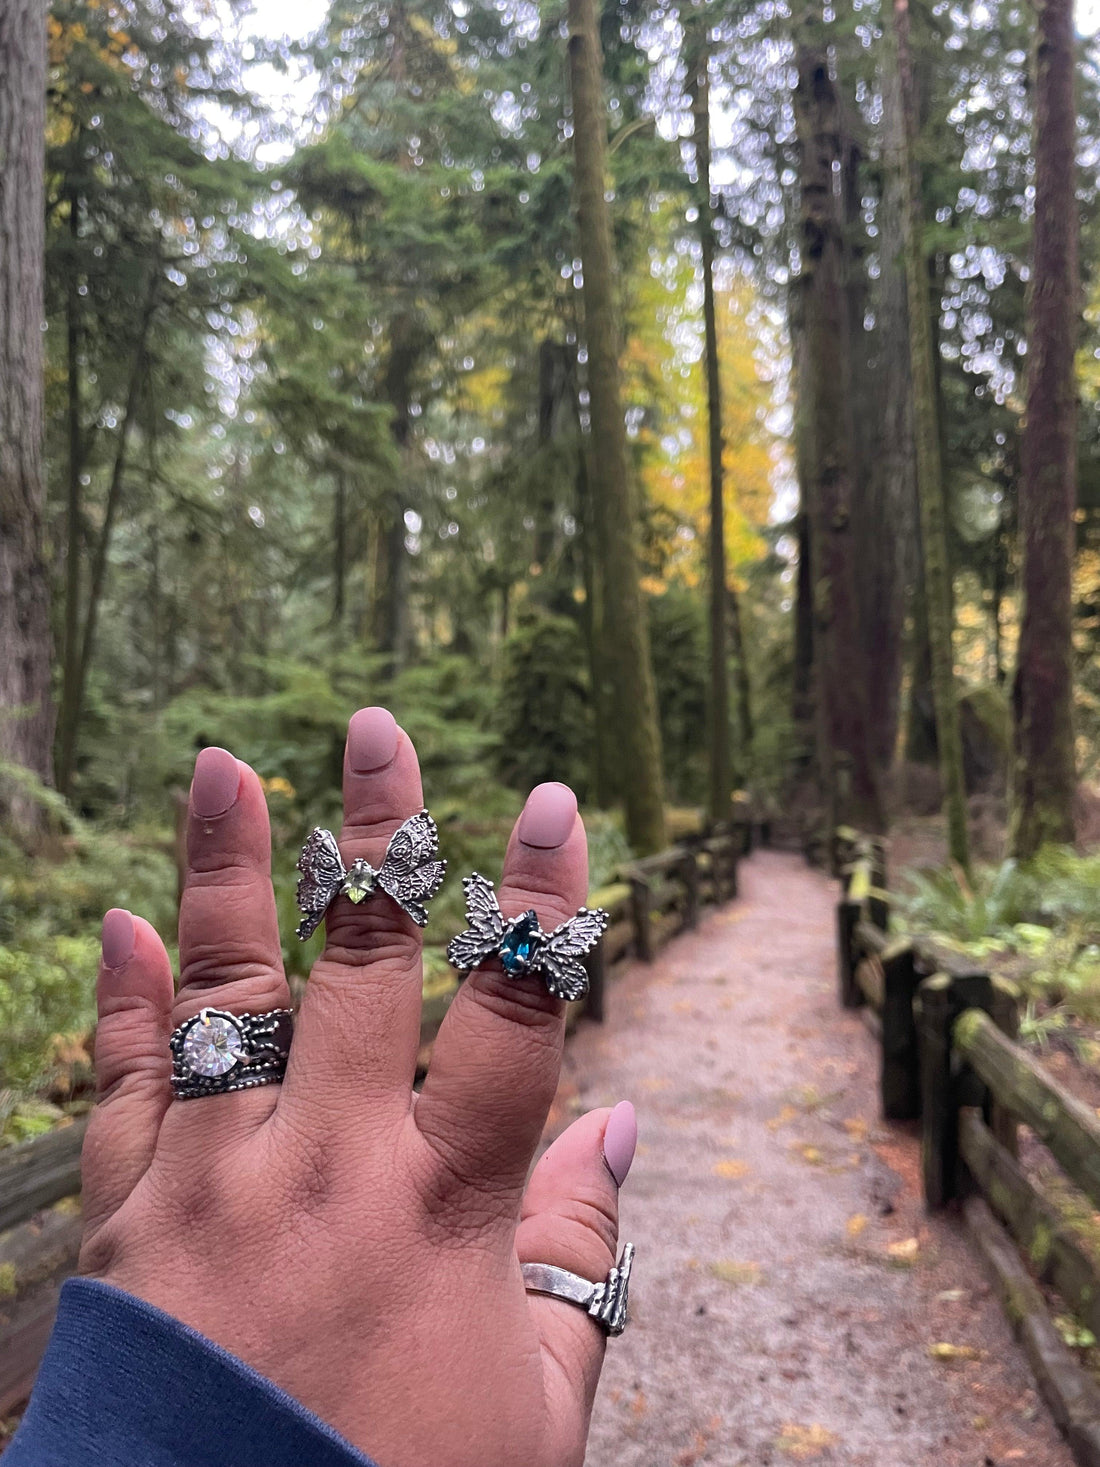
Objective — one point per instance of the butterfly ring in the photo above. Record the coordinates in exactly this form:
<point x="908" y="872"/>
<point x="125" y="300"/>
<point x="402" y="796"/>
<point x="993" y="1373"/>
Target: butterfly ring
<point x="410" y="874"/>
<point x="521" y="945"/>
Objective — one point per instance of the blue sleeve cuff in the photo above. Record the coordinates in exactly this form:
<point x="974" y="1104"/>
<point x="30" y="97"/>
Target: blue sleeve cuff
<point x="123" y="1384"/>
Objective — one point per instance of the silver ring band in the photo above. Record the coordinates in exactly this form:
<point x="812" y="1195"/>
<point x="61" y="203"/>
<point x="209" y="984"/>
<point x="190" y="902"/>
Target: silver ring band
<point x="605" y="1302"/>
<point x="216" y="1052"/>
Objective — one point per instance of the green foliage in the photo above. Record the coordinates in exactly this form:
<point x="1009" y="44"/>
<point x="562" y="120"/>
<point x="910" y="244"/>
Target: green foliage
<point x="1041" y="919"/>
<point x="544" y="718"/>
<point x="678" y="644"/>
<point x="47" y="987"/>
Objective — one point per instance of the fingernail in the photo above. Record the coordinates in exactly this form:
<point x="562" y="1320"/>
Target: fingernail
<point x="619" y="1140"/>
<point x="216" y="784"/>
<point x="372" y="739"/>
<point x="548" y="816"/>
<point x="118" y="937"/>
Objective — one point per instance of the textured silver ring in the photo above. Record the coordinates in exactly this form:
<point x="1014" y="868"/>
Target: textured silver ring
<point x="605" y="1302"/>
<point x="410" y="874"/>
<point x="216" y="1052"/>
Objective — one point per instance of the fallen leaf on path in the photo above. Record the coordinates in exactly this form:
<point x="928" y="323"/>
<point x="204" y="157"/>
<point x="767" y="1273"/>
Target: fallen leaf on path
<point x="805" y="1442"/>
<point x="809" y="1154"/>
<point x="682" y="1006"/>
<point x="730" y="1169"/>
<point x="656" y="1082"/>
<point x="785" y="1116"/>
<point x="905" y="1253"/>
<point x="951" y="1296"/>
<point x="943" y="1351"/>
<point x="732" y="1272"/>
<point x="639" y="1405"/>
<point x="857" y="1129"/>
<point x="855" y="1225"/>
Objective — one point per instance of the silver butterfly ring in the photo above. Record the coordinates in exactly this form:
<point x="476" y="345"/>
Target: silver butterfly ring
<point x="520" y="943"/>
<point x="410" y="874"/>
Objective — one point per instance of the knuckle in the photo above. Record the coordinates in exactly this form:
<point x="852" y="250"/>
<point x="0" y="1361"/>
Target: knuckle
<point x="381" y="932"/>
<point x="457" y="1205"/>
<point x="522" y="1001"/>
<point x="547" y="900"/>
<point x="130" y="1047"/>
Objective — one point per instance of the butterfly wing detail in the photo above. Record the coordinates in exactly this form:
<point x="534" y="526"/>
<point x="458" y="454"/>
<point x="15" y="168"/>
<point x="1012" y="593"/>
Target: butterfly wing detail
<point x="322" y="877"/>
<point x="485" y="925"/>
<point x="557" y="959"/>
<point x="412" y="872"/>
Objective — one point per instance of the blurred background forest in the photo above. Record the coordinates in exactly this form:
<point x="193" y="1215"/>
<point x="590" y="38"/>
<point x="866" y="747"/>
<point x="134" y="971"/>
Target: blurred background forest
<point x="694" y="402"/>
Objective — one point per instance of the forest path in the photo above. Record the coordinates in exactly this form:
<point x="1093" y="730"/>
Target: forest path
<point x="771" y="1321"/>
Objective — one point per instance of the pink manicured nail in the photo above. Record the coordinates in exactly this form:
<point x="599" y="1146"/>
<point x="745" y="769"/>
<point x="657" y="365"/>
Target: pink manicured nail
<point x="372" y="739"/>
<point x="548" y="816"/>
<point x="619" y="1140"/>
<point x="216" y="784"/>
<point x="118" y="937"/>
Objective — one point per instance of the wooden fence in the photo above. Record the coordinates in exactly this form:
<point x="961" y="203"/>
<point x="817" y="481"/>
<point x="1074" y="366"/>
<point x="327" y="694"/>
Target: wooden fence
<point x="950" y="1057"/>
<point x="649" y="902"/>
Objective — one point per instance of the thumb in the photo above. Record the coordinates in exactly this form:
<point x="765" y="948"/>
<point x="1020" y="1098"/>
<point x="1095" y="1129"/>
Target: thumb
<point x="570" y="1219"/>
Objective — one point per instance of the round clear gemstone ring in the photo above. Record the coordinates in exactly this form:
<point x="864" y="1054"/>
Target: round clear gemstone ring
<point x="216" y="1052"/>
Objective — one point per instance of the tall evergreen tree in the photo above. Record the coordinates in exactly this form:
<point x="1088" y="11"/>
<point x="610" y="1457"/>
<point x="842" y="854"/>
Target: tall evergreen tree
<point x="26" y="715"/>
<point x="827" y="456"/>
<point x="623" y="633"/>
<point x="930" y="487"/>
<point x="1044" y="774"/>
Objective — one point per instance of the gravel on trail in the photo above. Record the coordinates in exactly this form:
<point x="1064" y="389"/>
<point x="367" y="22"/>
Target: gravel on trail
<point x="791" y="1300"/>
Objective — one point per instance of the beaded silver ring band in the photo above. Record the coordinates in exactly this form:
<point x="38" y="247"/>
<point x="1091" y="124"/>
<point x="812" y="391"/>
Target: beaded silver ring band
<point x="216" y="1052"/>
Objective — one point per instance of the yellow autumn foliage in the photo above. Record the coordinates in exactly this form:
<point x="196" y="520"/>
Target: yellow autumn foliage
<point x="665" y="384"/>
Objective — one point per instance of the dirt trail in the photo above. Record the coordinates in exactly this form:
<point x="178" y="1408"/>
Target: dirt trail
<point x="772" y="1323"/>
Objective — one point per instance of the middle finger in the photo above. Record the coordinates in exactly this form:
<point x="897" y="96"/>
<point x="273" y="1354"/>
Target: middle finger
<point x="359" y="1027"/>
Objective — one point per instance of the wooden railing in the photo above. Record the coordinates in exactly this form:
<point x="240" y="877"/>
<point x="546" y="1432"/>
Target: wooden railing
<point x="649" y="902"/>
<point x="950" y="1056"/>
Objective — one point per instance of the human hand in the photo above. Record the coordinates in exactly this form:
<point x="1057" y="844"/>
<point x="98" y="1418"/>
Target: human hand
<point x="355" y="1243"/>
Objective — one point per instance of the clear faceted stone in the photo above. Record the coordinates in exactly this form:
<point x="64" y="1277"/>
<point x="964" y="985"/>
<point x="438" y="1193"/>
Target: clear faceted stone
<point x="212" y="1047"/>
<point x="361" y="882"/>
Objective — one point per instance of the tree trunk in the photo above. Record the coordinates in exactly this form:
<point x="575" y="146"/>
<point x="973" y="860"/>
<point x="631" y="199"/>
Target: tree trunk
<point x="890" y="505"/>
<point x="1044" y="774"/>
<point x="720" y="769"/>
<point x="624" y="631"/>
<point x="339" y="551"/>
<point x="26" y="715"/>
<point x="70" y="660"/>
<point x="933" y="513"/>
<point x="847" y="766"/>
<point x="72" y="712"/>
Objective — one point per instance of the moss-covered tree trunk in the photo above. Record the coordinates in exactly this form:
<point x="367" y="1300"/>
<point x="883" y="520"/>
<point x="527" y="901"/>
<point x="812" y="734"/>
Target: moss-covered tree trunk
<point x="26" y="716"/>
<point x="624" y="633"/>
<point x="1044" y="773"/>
<point x="719" y="762"/>
<point x="887" y="530"/>
<point x="933" y="513"/>
<point x="846" y="761"/>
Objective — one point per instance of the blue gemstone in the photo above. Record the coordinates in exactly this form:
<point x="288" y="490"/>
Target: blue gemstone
<point x="518" y="944"/>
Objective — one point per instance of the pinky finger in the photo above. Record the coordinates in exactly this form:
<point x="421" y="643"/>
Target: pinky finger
<point x="133" y="1064"/>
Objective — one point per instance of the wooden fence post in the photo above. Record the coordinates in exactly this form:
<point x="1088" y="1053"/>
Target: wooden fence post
<point x="639" y="906"/>
<point x="847" y="915"/>
<point x="1005" y="1013"/>
<point x="900" y="1075"/>
<point x="732" y="856"/>
<point x="689" y="874"/>
<point x="878" y="902"/>
<point x="596" y="966"/>
<point x="943" y="1088"/>
<point x="935" y="1016"/>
